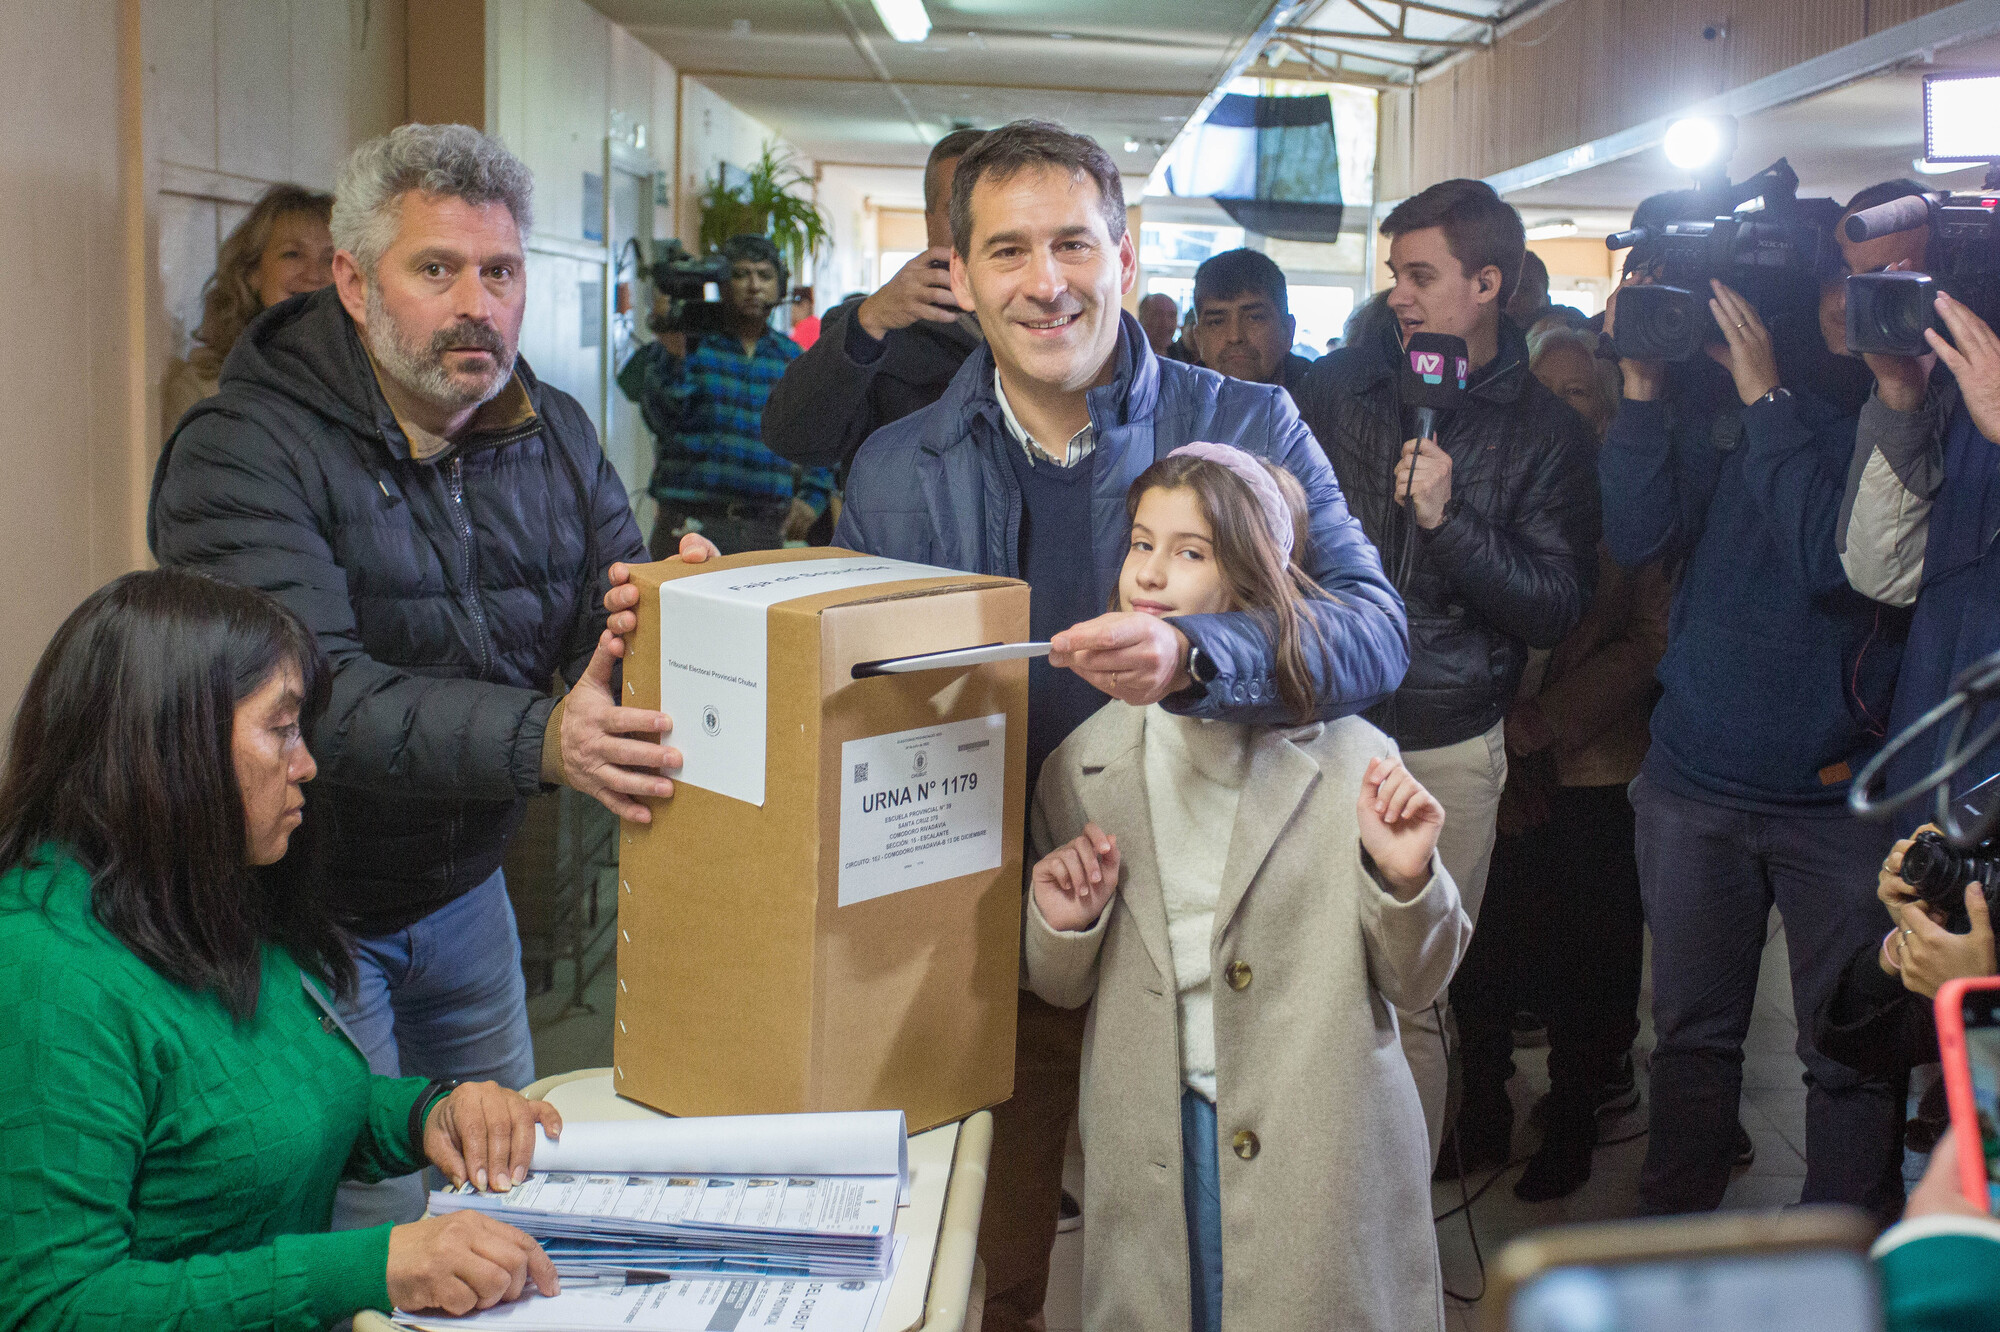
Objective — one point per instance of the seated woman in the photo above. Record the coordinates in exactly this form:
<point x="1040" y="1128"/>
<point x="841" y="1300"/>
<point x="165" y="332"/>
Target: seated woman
<point x="181" y="1102"/>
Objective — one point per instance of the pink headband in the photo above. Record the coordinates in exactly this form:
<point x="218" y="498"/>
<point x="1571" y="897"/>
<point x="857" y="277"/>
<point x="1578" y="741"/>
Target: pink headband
<point x="1277" y="513"/>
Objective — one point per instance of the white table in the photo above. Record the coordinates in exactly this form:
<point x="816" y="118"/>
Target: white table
<point x="938" y="1287"/>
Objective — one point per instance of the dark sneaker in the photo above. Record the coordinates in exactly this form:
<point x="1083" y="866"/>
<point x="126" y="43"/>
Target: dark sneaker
<point x="1559" y="1167"/>
<point x="1618" y="1094"/>
<point x="1069" y="1216"/>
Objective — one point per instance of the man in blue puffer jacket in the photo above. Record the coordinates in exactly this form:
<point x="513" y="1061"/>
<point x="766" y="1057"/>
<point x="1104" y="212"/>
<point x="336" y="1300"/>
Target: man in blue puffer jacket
<point x="1022" y="468"/>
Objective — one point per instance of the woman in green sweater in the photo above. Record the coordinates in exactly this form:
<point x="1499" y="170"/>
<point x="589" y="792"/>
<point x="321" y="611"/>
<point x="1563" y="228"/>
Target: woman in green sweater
<point x="181" y="1102"/>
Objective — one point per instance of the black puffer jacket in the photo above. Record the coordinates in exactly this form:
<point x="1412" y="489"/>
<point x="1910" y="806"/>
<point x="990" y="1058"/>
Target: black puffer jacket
<point x="448" y="594"/>
<point x="846" y="386"/>
<point x="1511" y="569"/>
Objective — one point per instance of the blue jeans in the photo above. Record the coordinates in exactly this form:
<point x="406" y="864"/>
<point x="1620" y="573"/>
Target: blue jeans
<point x="1201" y="1194"/>
<point x="443" y="998"/>
<point x="1709" y="875"/>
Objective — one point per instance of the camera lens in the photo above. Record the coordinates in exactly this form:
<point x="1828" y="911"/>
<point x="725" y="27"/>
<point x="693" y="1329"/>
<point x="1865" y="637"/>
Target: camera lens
<point x="1901" y="316"/>
<point x="1928" y="864"/>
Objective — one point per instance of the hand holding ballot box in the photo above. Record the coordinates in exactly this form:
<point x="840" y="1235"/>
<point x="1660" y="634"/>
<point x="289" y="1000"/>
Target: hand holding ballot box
<point x="826" y="915"/>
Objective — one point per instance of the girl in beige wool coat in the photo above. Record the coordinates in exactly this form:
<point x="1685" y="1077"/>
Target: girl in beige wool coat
<point x="1247" y="906"/>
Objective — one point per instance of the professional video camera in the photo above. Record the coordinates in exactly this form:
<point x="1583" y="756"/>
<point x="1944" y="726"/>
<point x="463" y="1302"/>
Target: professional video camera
<point x="1939" y="871"/>
<point x="1888" y="312"/>
<point x="693" y="288"/>
<point x="1758" y="237"/>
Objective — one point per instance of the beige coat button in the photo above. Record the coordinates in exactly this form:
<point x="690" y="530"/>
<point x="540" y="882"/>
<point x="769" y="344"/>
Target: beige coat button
<point x="1238" y="975"/>
<point x="1245" y="1143"/>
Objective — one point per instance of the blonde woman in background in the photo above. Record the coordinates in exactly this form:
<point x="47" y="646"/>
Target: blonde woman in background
<point x="282" y="249"/>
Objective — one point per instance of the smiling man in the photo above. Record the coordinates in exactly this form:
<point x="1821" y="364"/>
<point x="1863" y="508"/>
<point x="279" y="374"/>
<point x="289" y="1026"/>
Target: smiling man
<point x="1498" y="514"/>
<point x="381" y="460"/>
<point x="1022" y="468"/>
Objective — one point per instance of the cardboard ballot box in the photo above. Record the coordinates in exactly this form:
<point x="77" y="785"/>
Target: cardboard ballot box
<point x="826" y="915"/>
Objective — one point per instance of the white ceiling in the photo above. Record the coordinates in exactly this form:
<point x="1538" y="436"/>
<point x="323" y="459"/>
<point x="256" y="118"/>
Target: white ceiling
<point x="827" y="76"/>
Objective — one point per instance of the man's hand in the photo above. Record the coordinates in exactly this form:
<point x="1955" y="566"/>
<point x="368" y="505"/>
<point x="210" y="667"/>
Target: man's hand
<point x="1430" y="466"/>
<point x="1975" y="361"/>
<point x="485" y="1133"/>
<point x="622" y="598"/>
<point x="602" y="755"/>
<point x="1137" y="658"/>
<point x="921" y="289"/>
<point x="1929" y="955"/>
<point x="1644" y="380"/>
<point x="1889" y="885"/>
<point x="1900" y="380"/>
<point x="798" y="521"/>
<point x="462" y="1261"/>
<point x="1750" y="360"/>
<point x="1074" y="883"/>
<point x="1400" y="822"/>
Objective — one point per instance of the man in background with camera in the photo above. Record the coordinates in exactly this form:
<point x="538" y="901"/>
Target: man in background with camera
<point x="1922" y="504"/>
<point x="1498" y="517"/>
<point x="886" y="355"/>
<point x="1776" y="684"/>
<point x="702" y="392"/>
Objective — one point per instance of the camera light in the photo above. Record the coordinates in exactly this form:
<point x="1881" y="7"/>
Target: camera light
<point x="1695" y="142"/>
<point x="1962" y="117"/>
<point x="906" y="20"/>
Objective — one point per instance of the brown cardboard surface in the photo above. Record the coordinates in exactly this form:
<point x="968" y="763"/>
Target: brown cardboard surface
<point x="744" y="988"/>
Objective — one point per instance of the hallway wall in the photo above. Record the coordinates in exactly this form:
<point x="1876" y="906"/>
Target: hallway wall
<point x="67" y="498"/>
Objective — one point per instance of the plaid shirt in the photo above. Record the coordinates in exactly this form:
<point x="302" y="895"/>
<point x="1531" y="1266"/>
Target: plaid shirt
<point x="705" y="412"/>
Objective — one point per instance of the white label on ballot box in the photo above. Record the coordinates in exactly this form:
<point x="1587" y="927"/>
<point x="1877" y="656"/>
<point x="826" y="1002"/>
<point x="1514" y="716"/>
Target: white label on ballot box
<point x="921" y="806"/>
<point x="714" y="658"/>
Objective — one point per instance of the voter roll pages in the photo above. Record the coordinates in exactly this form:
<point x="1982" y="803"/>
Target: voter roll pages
<point x="672" y="1224"/>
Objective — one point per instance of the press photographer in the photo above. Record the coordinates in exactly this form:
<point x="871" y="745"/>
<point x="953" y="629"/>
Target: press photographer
<point x="701" y="386"/>
<point x="1922" y="501"/>
<point x="1731" y="462"/>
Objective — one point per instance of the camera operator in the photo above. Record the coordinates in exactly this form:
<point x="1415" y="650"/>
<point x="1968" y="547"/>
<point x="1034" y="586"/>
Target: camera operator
<point x="1923" y="502"/>
<point x="701" y="394"/>
<point x="1776" y="684"/>
<point x="884" y="356"/>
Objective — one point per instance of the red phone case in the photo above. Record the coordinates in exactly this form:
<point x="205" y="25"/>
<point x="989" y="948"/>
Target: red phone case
<point x="1958" y="1086"/>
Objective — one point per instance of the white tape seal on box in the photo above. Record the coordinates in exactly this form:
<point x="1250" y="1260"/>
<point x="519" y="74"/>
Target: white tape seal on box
<point x="714" y="658"/>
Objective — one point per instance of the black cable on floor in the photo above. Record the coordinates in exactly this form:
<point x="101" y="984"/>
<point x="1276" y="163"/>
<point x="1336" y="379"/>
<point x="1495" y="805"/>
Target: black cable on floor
<point x="1469" y="1198"/>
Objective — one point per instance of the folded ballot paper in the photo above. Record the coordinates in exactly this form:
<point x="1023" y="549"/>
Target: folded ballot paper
<point x="753" y="1196"/>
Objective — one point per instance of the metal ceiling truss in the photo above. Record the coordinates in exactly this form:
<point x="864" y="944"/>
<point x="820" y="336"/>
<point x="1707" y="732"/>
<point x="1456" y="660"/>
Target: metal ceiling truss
<point x="1317" y="45"/>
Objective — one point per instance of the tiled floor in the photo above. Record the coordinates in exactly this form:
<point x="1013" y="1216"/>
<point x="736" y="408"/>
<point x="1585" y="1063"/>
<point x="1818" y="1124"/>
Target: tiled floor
<point x="1773" y="1111"/>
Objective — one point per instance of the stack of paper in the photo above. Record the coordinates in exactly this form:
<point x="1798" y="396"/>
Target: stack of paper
<point x="754" y="1196"/>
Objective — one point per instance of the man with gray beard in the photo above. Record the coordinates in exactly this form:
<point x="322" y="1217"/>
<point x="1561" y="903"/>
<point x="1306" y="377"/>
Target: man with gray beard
<point x="381" y="461"/>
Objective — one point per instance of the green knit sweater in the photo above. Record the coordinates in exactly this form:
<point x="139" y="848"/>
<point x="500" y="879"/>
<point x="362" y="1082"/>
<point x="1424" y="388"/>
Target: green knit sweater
<point x="162" y="1165"/>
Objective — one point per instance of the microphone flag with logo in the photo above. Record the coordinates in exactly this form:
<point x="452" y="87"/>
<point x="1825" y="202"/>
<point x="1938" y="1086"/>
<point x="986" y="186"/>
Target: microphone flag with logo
<point x="1432" y="379"/>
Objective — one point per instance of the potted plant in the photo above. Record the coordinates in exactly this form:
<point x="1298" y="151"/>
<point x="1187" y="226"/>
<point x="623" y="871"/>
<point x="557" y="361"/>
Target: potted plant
<point x="764" y="205"/>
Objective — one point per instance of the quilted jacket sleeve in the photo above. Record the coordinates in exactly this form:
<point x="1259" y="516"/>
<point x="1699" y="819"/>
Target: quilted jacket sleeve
<point x="1532" y="575"/>
<point x="233" y="501"/>
<point x="1361" y="648"/>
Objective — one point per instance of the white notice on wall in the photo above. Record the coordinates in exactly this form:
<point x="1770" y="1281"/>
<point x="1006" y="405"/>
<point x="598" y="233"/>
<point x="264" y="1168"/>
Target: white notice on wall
<point x="921" y="806"/>
<point x="713" y="667"/>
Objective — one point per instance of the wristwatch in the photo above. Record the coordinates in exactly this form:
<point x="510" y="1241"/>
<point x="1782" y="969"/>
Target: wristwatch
<point x="1200" y="667"/>
<point x="1781" y="393"/>
<point x="438" y="1089"/>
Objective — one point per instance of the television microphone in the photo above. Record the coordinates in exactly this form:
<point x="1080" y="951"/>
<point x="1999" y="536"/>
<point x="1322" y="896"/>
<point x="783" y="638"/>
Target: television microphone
<point x="1434" y="371"/>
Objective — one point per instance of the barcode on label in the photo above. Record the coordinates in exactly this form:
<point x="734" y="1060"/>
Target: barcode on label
<point x="860" y="773"/>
